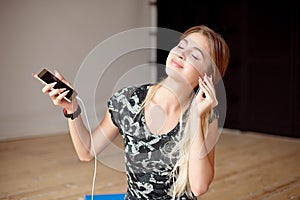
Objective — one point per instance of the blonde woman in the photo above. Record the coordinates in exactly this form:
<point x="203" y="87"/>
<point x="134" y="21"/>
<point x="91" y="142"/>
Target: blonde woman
<point x="168" y="129"/>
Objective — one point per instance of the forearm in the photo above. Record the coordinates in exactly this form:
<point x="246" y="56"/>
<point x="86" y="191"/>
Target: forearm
<point x="102" y="136"/>
<point x="201" y="161"/>
<point x="80" y="136"/>
<point x="201" y="169"/>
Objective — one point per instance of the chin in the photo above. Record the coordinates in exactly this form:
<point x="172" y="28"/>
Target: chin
<point x="177" y="76"/>
<point x="173" y="74"/>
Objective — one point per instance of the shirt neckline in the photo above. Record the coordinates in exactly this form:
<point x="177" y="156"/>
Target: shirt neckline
<point x="174" y="130"/>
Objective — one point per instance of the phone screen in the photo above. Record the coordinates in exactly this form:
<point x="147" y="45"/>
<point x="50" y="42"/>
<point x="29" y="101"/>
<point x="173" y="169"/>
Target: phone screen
<point x="48" y="78"/>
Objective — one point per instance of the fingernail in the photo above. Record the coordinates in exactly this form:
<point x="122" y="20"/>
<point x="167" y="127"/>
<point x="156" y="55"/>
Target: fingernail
<point x="54" y="83"/>
<point x="63" y="89"/>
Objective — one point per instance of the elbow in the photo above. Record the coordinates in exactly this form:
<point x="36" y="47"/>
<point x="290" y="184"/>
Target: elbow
<point x="199" y="189"/>
<point x="85" y="158"/>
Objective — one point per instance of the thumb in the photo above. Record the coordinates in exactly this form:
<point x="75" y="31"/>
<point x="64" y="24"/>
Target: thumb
<point x="58" y="75"/>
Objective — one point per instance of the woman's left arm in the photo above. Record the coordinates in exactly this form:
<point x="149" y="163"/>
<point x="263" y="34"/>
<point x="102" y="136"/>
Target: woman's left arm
<point x="202" y="149"/>
<point x="202" y="159"/>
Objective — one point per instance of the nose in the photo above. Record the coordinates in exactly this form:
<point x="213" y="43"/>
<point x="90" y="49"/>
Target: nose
<point x="181" y="56"/>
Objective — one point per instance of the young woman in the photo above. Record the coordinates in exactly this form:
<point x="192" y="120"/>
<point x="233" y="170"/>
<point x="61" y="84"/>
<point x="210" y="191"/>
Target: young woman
<point x="168" y="128"/>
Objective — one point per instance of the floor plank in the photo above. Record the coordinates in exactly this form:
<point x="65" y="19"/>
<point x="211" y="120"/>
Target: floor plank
<point x="248" y="166"/>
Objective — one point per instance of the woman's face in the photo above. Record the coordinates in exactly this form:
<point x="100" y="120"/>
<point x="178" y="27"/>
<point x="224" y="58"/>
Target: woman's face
<point x="189" y="59"/>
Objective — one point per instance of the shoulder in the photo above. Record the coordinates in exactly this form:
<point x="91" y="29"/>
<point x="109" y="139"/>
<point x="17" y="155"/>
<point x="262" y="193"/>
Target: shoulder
<point x="127" y="100"/>
<point x="130" y="91"/>
<point x="125" y="90"/>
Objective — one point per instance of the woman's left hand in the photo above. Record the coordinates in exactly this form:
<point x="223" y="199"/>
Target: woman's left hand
<point x="206" y="98"/>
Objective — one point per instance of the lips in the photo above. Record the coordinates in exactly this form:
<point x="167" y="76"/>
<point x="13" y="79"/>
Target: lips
<point x="176" y="63"/>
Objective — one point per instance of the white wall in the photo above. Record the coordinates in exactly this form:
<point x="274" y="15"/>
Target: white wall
<point x="58" y="34"/>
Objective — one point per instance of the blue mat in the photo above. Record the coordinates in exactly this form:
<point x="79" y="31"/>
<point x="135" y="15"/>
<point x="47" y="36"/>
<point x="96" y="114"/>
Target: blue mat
<point x="106" y="197"/>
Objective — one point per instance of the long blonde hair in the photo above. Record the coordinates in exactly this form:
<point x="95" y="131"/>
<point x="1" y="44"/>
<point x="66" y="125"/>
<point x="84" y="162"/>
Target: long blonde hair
<point x="219" y="53"/>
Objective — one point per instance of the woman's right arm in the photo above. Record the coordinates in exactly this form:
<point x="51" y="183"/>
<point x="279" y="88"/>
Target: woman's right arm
<point x="102" y="136"/>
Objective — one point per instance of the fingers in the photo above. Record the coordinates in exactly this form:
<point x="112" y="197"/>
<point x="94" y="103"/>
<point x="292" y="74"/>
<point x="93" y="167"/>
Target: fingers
<point x="208" y="81"/>
<point x="58" y="100"/>
<point x="207" y="90"/>
<point x="55" y="93"/>
<point x="58" y="75"/>
<point x="207" y="84"/>
<point x="57" y="96"/>
<point x="34" y="75"/>
<point x="48" y="87"/>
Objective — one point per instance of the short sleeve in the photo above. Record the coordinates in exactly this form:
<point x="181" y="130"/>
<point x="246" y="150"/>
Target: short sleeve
<point x="118" y="105"/>
<point x="113" y="109"/>
<point x="213" y="115"/>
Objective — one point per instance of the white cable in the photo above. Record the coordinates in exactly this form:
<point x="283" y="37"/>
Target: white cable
<point x="93" y="148"/>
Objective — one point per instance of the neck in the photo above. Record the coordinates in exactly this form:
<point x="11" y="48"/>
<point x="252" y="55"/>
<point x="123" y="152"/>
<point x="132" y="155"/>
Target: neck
<point x="173" y="94"/>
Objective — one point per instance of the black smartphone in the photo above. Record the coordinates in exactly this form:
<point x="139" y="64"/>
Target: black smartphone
<point x="47" y="77"/>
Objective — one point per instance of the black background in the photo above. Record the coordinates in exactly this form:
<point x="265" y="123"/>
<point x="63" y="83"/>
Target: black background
<point x="262" y="81"/>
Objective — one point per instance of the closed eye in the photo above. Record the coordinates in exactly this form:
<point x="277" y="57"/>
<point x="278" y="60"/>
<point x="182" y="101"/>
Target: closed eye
<point x="182" y="44"/>
<point x="195" y="57"/>
<point x="197" y="54"/>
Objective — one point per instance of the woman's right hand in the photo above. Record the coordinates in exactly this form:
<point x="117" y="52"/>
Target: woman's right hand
<point x="57" y="95"/>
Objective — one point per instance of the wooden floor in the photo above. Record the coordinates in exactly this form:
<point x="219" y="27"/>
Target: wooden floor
<point x="248" y="166"/>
